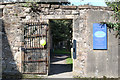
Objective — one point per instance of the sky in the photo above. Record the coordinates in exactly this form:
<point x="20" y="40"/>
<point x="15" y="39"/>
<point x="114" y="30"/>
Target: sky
<point x="91" y="2"/>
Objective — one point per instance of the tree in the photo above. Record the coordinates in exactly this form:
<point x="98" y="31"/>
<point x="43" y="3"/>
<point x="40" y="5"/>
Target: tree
<point x="61" y="30"/>
<point x="116" y="8"/>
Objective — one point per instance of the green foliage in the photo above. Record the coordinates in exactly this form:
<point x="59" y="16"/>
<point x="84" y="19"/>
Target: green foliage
<point x="61" y="30"/>
<point x="116" y="8"/>
<point x="114" y="26"/>
<point x="69" y="61"/>
<point x="16" y="14"/>
<point x="61" y="51"/>
<point x="27" y="4"/>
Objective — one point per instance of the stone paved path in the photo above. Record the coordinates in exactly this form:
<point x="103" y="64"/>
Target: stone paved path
<point x="59" y="68"/>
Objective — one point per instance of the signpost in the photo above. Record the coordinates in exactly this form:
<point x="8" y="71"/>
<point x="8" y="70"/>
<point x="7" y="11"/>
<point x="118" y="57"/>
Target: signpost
<point x="99" y="36"/>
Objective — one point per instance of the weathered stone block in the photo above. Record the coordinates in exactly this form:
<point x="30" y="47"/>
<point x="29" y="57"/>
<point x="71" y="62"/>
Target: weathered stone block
<point x="27" y="10"/>
<point x="9" y="6"/>
<point x="15" y="48"/>
<point x="45" y="5"/>
<point x="55" y="6"/>
<point x="75" y="12"/>
<point x="17" y="44"/>
<point x="2" y="6"/>
<point x="68" y="7"/>
<point x="84" y="7"/>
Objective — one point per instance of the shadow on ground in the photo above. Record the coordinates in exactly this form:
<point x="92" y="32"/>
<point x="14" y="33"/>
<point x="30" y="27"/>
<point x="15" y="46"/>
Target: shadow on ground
<point x="58" y="64"/>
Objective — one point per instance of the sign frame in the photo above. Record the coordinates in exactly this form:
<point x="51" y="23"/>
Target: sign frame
<point x="99" y="36"/>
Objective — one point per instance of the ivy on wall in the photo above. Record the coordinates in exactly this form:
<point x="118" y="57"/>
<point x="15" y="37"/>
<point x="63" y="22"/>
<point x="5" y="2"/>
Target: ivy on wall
<point x="116" y="8"/>
<point x="114" y="26"/>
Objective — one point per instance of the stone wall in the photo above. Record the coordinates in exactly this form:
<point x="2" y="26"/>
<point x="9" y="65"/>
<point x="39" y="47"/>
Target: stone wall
<point x="102" y="62"/>
<point x="88" y="62"/>
<point x="12" y="40"/>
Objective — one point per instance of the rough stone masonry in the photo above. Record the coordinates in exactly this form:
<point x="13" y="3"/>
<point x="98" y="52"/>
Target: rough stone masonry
<point x="88" y="62"/>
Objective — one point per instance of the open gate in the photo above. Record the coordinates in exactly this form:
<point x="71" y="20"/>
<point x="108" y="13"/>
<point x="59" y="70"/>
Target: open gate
<point x="35" y="56"/>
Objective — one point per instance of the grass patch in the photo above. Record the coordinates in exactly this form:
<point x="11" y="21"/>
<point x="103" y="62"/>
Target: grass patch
<point x="61" y="51"/>
<point x="69" y="61"/>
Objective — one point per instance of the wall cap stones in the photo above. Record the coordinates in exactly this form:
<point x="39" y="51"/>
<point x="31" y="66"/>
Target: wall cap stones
<point x="94" y="7"/>
<point x="45" y="5"/>
<point x="64" y="7"/>
<point x="55" y="6"/>
<point x="68" y="7"/>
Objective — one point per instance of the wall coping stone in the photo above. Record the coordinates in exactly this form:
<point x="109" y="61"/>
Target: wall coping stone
<point x="68" y="7"/>
<point x="94" y="7"/>
<point x="55" y="6"/>
<point x="45" y="5"/>
<point x="64" y="7"/>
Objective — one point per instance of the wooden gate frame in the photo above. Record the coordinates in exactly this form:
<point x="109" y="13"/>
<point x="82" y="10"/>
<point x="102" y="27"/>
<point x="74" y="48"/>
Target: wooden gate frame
<point x="23" y="50"/>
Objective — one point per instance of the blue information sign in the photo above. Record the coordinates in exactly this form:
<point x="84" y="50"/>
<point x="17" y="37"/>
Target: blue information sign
<point x="99" y="36"/>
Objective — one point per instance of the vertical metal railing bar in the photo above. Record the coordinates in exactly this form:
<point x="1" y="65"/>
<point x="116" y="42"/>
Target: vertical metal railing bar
<point x="39" y="34"/>
<point x="35" y="40"/>
<point x="39" y="40"/>
<point x="46" y="47"/>
<point x="46" y="35"/>
<point x="37" y="50"/>
<point x="30" y="40"/>
<point x="28" y="45"/>
<point x="24" y="50"/>
<point x="33" y="34"/>
<point x="30" y="36"/>
<point x="32" y="25"/>
<point x="37" y="46"/>
<point x="25" y="41"/>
